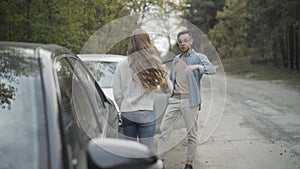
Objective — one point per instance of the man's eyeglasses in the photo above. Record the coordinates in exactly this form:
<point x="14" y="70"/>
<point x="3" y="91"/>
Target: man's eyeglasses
<point x="184" y="41"/>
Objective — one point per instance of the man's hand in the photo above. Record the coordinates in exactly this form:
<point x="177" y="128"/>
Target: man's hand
<point x="190" y="68"/>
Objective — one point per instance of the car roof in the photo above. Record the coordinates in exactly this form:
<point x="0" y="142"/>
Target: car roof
<point x="52" y="48"/>
<point x="102" y="57"/>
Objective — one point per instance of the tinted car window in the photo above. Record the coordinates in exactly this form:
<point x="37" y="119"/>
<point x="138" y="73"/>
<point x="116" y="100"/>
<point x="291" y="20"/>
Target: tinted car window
<point x="80" y="101"/>
<point x="102" y="71"/>
<point x="22" y="122"/>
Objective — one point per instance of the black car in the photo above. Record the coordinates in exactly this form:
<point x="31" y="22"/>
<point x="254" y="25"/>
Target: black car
<point x="54" y="115"/>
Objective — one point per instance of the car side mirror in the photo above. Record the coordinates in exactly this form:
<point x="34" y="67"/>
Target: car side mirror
<point x="110" y="153"/>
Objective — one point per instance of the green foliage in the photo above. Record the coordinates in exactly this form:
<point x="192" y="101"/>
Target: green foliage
<point x="275" y="24"/>
<point x="270" y="24"/>
<point x="71" y="23"/>
<point x="162" y="6"/>
<point x="261" y="29"/>
<point x="202" y="13"/>
<point x="111" y="38"/>
<point x="242" y="67"/>
<point x="228" y="36"/>
<point x="237" y="28"/>
<point x="67" y="23"/>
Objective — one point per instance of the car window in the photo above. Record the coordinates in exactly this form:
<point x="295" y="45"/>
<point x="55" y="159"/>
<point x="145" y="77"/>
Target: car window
<point x="22" y="122"/>
<point x="103" y="71"/>
<point x="81" y="102"/>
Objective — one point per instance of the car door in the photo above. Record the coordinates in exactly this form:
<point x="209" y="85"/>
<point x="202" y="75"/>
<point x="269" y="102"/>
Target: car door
<point x="82" y="108"/>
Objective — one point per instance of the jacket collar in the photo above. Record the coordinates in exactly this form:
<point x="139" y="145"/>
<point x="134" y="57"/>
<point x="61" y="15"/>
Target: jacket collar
<point x="189" y="54"/>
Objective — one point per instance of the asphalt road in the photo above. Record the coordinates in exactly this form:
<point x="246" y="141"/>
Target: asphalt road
<point x="245" y="124"/>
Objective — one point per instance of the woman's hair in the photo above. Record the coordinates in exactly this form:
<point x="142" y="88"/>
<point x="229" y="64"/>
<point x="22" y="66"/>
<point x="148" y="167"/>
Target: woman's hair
<point x="144" y="62"/>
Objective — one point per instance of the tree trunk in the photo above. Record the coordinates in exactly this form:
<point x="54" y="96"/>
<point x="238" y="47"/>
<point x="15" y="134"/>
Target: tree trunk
<point x="283" y="53"/>
<point x="291" y="46"/>
<point x="275" y="52"/>
<point x="28" y="20"/>
<point x="297" y="47"/>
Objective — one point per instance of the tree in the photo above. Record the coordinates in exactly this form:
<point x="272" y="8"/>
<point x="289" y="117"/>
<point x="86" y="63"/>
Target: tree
<point x="229" y="34"/>
<point x="67" y="23"/>
<point x="158" y="15"/>
<point x="276" y="22"/>
<point x="202" y="13"/>
<point x="261" y="29"/>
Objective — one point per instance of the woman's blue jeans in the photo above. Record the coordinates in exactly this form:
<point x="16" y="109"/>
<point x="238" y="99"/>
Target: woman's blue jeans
<point x="139" y="126"/>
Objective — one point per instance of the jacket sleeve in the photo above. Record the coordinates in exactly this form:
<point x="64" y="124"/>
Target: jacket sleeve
<point x="117" y="88"/>
<point x="172" y="71"/>
<point x="207" y="66"/>
<point x="170" y="85"/>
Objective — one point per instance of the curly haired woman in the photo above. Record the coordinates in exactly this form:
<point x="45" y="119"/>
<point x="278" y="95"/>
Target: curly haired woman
<point x="135" y="81"/>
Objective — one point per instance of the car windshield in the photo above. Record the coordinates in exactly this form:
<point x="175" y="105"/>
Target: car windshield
<point x="103" y="71"/>
<point x="22" y="123"/>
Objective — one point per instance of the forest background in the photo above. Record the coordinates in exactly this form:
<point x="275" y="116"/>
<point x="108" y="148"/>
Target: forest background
<point x="254" y="39"/>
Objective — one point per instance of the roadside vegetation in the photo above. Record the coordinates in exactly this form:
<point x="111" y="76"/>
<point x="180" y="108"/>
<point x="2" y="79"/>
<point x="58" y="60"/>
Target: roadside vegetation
<point x="261" y="71"/>
<point x="254" y="39"/>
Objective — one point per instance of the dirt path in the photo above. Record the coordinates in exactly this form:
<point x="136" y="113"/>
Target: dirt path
<point x="258" y="127"/>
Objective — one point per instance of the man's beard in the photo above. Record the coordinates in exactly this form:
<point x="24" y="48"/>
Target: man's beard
<point x="185" y="50"/>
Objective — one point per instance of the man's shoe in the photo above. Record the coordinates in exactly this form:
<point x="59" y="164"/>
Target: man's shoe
<point x="188" y="166"/>
<point x="163" y="161"/>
